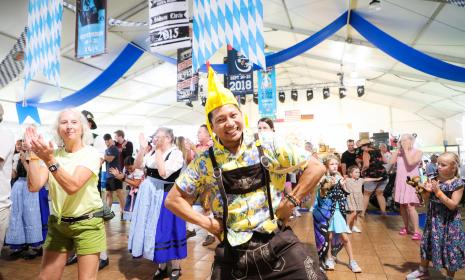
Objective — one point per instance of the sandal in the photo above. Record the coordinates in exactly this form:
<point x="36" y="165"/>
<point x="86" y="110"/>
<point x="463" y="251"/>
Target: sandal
<point x="160" y="274"/>
<point x="175" y="273"/>
<point x="403" y="231"/>
<point x="416" y="236"/>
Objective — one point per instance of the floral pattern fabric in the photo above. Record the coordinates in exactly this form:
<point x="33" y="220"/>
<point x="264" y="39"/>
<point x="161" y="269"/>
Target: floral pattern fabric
<point x="247" y="212"/>
<point x="443" y="240"/>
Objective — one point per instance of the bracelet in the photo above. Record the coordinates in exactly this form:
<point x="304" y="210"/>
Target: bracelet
<point x="33" y="156"/>
<point x="439" y="194"/>
<point x="292" y="199"/>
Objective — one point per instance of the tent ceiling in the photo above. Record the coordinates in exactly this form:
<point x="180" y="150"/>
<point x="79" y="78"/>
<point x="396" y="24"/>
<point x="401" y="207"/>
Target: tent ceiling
<point x="146" y="93"/>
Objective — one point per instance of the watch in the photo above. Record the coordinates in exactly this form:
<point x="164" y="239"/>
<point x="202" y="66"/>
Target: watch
<point x="54" y="167"/>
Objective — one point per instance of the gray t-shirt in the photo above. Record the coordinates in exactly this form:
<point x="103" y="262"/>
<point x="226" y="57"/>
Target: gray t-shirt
<point x="7" y="148"/>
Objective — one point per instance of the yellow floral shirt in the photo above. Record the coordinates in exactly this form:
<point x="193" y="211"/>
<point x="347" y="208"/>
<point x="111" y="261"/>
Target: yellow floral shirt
<point x="247" y="212"/>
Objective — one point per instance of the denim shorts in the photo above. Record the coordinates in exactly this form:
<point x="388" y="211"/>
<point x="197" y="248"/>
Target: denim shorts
<point x="372" y="186"/>
<point x="86" y="236"/>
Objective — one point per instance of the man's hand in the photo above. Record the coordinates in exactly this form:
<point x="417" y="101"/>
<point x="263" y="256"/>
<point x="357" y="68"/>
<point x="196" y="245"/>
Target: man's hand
<point x="284" y="210"/>
<point x="115" y="172"/>
<point x="214" y="226"/>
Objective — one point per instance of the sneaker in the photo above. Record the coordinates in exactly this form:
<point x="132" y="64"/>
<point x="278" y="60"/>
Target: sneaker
<point x="417" y="274"/>
<point x="356" y="229"/>
<point x="348" y="231"/>
<point x="190" y="233"/>
<point x="209" y="240"/>
<point x="329" y="263"/>
<point x="416" y="236"/>
<point x="103" y="263"/>
<point x="403" y="231"/>
<point x="297" y="213"/>
<point x="353" y="265"/>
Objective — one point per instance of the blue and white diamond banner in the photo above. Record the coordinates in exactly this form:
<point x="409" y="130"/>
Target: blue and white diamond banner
<point x="460" y="3"/>
<point x="235" y="22"/>
<point x="43" y="40"/>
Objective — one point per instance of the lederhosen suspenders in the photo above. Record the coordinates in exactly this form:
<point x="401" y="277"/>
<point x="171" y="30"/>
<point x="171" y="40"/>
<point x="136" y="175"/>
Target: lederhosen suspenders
<point x="218" y="175"/>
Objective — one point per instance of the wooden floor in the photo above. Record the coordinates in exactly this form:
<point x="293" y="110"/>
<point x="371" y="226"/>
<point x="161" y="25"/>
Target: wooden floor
<point x="380" y="251"/>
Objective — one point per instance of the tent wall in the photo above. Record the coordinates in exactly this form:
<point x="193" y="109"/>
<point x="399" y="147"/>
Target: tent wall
<point x="335" y="120"/>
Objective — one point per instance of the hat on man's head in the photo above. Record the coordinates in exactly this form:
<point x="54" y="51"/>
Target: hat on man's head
<point x="364" y="142"/>
<point x="217" y="96"/>
<point x="90" y="118"/>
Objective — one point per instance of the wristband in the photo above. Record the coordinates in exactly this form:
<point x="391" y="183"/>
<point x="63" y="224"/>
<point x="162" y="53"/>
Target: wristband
<point x="33" y="156"/>
<point x="292" y="199"/>
<point x="439" y="194"/>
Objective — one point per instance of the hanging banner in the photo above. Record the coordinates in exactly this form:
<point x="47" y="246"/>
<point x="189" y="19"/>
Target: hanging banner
<point x="267" y="93"/>
<point x="43" y="40"/>
<point x="169" y="25"/>
<point x="187" y="87"/>
<point x="90" y="27"/>
<point x="13" y="65"/>
<point x="240" y="73"/>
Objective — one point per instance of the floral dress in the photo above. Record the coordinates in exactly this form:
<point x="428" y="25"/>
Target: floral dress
<point x="443" y="240"/>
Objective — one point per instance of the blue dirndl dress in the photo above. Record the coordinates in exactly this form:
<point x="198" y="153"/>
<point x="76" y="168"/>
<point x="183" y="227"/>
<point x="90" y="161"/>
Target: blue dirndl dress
<point x="26" y="225"/>
<point x="155" y="232"/>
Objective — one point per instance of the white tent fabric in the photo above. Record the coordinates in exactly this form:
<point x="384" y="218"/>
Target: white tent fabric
<point x="398" y="98"/>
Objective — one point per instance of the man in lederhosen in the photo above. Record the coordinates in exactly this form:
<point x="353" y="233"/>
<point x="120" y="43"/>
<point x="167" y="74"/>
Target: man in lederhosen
<point x="246" y="175"/>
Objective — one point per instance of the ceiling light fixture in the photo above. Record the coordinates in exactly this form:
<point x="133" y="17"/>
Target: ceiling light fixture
<point x="281" y="96"/>
<point x="342" y="92"/>
<point x="360" y="91"/>
<point x="294" y="94"/>
<point x="242" y="99"/>
<point x="255" y="97"/>
<point x="326" y="92"/>
<point x="309" y="94"/>
<point x="375" y="5"/>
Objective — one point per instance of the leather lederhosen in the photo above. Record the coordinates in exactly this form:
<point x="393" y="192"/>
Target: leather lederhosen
<point x="278" y="255"/>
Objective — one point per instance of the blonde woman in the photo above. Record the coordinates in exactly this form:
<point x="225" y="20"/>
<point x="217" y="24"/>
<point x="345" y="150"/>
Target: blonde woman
<point x="72" y="175"/>
<point x="408" y="159"/>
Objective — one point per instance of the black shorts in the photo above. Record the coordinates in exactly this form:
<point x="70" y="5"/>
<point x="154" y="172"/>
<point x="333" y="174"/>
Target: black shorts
<point x="112" y="184"/>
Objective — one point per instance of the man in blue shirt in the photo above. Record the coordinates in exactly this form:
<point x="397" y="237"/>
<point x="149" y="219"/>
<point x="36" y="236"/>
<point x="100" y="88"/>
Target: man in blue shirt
<point x="112" y="184"/>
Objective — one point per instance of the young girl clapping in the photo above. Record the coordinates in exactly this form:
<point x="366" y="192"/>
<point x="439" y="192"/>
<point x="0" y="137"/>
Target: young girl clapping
<point x="328" y="217"/>
<point x="443" y="241"/>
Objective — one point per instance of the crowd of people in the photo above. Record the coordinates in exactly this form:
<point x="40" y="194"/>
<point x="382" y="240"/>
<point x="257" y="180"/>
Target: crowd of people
<point x="247" y="184"/>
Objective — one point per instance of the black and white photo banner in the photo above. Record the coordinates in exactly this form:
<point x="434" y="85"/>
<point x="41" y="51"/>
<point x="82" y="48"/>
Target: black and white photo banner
<point x="169" y="25"/>
<point x="13" y="64"/>
<point x="187" y="86"/>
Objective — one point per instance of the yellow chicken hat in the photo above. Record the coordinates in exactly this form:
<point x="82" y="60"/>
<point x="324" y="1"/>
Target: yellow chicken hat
<point x="218" y="96"/>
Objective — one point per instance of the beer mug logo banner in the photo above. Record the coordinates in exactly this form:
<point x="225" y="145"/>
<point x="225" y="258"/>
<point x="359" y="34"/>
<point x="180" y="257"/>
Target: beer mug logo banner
<point x="267" y="93"/>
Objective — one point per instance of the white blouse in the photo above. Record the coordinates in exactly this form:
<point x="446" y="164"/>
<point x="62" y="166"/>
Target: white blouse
<point x="173" y="164"/>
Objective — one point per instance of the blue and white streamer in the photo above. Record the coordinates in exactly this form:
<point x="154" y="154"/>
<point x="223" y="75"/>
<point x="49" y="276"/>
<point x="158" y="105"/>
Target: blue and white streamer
<point x="238" y="23"/>
<point x="43" y="40"/>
